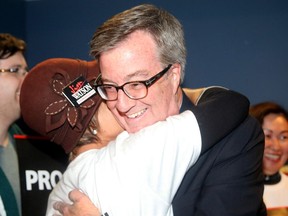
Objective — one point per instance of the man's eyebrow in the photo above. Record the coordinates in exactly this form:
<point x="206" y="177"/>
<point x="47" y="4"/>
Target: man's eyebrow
<point x="137" y="74"/>
<point x="130" y="77"/>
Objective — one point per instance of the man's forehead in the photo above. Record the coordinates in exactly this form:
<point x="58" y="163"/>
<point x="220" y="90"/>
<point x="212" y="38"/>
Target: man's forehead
<point x="132" y="75"/>
<point x="132" y="55"/>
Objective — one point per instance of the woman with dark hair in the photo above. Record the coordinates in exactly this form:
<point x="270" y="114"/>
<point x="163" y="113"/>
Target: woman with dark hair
<point x="274" y="121"/>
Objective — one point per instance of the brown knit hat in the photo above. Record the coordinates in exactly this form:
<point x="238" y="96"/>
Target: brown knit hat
<point x="58" y="100"/>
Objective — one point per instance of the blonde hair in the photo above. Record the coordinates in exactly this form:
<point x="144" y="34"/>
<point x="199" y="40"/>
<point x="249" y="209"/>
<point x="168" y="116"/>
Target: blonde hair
<point x="90" y="134"/>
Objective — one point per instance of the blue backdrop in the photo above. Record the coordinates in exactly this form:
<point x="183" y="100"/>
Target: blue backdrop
<point x="240" y="44"/>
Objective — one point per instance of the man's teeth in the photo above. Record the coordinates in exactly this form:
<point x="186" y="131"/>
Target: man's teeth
<point x="135" y="115"/>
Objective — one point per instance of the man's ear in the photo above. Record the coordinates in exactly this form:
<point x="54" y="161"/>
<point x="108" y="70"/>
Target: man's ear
<point x="176" y="76"/>
<point x="193" y="94"/>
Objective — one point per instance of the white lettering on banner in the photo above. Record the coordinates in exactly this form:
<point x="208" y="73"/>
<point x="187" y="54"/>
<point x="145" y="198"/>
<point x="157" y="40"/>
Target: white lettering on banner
<point x="44" y="179"/>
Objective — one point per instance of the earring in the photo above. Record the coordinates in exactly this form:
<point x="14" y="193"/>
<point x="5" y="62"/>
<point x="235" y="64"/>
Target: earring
<point x="94" y="131"/>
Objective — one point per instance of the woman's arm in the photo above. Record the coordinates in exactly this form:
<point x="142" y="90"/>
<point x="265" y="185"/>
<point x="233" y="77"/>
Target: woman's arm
<point x="182" y="136"/>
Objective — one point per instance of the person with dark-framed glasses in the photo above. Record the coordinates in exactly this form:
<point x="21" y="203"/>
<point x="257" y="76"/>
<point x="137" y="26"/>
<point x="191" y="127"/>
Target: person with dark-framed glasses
<point x="134" y="45"/>
<point x="13" y="69"/>
<point x="134" y="89"/>
<point x="88" y="122"/>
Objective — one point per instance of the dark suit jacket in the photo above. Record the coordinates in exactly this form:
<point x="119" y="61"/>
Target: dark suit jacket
<point x="227" y="179"/>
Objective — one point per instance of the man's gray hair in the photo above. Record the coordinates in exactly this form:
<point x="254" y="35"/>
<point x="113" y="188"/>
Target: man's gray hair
<point x="163" y="26"/>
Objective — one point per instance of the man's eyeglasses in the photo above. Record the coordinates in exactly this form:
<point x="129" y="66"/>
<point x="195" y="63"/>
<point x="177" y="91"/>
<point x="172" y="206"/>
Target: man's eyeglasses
<point x="15" y="70"/>
<point x="134" y="89"/>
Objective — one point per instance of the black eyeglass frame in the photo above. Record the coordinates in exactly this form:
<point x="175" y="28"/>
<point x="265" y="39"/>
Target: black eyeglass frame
<point x="147" y="84"/>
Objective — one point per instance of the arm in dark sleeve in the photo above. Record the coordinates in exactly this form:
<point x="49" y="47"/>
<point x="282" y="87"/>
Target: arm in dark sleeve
<point x="234" y="185"/>
<point x="227" y="180"/>
<point x="218" y="112"/>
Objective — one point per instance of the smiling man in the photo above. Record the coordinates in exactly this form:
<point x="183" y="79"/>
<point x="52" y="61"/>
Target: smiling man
<point x="13" y="68"/>
<point x="136" y="59"/>
<point x="142" y="57"/>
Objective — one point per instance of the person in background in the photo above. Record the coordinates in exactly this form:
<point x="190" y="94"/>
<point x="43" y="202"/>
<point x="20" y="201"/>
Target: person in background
<point x="20" y="146"/>
<point x="13" y="69"/>
<point x="274" y="121"/>
<point x="61" y="117"/>
<point x="142" y="50"/>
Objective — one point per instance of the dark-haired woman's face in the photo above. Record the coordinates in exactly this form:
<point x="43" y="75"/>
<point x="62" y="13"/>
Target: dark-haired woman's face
<point x="275" y="127"/>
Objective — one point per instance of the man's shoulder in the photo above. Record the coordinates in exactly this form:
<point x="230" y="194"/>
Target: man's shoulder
<point x="252" y="126"/>
<point x="194" y="95"/>
<point x="208" y="91"/>
<point x="246" y="136"/>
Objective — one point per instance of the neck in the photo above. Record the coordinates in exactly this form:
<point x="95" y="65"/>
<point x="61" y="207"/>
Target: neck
<point x="4" y="138"/>
<point x="5" y="123"/>
<point x="179" y="97"/>
<point x="4" y="133"/>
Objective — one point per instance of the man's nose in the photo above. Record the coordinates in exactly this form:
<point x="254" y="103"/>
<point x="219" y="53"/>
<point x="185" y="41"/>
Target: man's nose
<point x="124" y="103"/>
